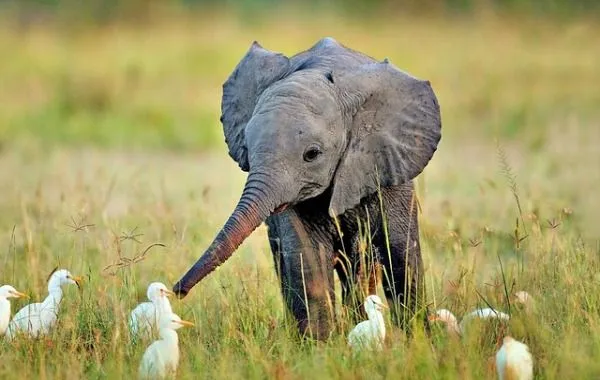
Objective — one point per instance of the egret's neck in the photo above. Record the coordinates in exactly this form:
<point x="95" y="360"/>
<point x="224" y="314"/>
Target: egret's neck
<point x="376" y="319"/>
<point x="4" y="309"/>
<point x="163" y="305"/>
<point x="4" y="304"/>
<point x="4" y="314"/>
<point x="54" y="297"/>
<point x="169" y="336"/>
<point x="454" y="327"/>
<point x="53" y="283"/>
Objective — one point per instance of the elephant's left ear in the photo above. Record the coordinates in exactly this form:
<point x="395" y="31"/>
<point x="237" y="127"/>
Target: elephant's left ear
<point x="394" y="131"/>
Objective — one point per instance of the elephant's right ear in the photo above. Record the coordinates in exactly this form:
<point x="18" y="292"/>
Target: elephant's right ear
<point x="256" y="71"/>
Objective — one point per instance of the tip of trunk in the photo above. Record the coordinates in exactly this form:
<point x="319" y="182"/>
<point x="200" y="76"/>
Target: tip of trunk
<point x="253" y="208"/>
<point x="179" y="290"/>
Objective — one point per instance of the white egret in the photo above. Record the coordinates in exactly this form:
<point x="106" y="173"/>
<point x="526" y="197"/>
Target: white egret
<point x="524" y="298"/>
<point x="144" y="319"/>
<point x="486" y="313"/>
<point x="6" y="292"/>
<point x="369" y="334"/>
<point x="162" y="357"/>
<point x="452" y="325"/>
<point x="37" y="319"/>
<point x="514" y="361"/>
<point x="445" y="316"/>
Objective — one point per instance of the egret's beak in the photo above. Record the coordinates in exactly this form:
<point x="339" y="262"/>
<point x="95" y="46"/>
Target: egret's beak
<point x="167" y="292"/>
<point x="19" y="294"/>
<point x="185" y="323"/>
<point x="433" y="318"/>
<point x="78" y="280"/>
<point x="382" y="305"/>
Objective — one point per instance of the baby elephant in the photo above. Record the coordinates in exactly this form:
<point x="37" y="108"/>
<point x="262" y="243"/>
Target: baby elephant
<point x="331" y="140"/>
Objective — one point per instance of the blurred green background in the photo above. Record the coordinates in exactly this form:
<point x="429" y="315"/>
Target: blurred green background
<point x="148" y="74"/>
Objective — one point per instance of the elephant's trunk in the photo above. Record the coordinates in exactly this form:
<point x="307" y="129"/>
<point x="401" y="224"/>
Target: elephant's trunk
<point x="255" y="205"/>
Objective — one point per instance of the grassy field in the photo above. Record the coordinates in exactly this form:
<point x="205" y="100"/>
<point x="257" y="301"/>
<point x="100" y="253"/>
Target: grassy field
<point x="117" y="128"/>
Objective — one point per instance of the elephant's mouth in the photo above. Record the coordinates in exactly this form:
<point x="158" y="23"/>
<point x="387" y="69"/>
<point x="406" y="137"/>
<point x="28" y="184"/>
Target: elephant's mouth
<point x="281" y="208"/>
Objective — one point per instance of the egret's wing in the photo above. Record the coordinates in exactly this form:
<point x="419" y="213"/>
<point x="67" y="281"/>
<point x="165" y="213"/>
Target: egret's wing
<point x="360" y="335"/>
<point x="145" y="370"/>
<point x="165" y="306"/>
<point x="26" y="319"/>
<point x="487" y="313"/>
<point x="501" y="362"/>
<point x="352" y="337"/>
<point x="493" y="313"/>
<point x="26" y="311"/>
<point x="48" y="315"/>
<point x="142" y="320"/>
<point x="152" y="365"/>
<point x="519" y="360"/>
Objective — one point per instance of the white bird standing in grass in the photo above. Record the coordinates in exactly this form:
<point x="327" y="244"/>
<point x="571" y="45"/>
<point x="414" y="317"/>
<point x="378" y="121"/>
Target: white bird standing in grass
<point x="162" y="357"/>
<point x="369" y="334"/>
<point x="514" y="361"/>
<point x="6" y="292"/>
<point x="144" y="319"/>
<point x="37" y="319"/>
<point x="452" y="325"/>
<point x="525" y="299"/>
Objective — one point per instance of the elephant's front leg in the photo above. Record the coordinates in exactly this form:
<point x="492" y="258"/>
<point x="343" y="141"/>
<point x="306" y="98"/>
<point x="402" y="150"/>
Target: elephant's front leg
<point x="305" y="269"/>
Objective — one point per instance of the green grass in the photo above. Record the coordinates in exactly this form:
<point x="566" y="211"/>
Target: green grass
<point x="112" y="127"/>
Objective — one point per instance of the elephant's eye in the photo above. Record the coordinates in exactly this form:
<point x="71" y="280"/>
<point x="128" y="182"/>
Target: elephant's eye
<point x="312" y="153"/>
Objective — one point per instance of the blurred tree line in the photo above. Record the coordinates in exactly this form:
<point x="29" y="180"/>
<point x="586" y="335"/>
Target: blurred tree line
<point x="106" y="11"/>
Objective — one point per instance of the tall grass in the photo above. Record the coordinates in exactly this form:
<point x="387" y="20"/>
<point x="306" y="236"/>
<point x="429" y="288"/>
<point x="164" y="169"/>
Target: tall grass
<point x="242" y="330"/>
<point x="105" y="136"/>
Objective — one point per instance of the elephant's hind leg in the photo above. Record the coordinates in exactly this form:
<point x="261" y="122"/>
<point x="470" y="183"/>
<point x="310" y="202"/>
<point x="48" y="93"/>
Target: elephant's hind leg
<point x="402" y="273"/>
<point x="374" y="278"/>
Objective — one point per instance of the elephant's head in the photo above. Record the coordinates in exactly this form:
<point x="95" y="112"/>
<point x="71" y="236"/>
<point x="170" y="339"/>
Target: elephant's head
<point x="327" y="118"/>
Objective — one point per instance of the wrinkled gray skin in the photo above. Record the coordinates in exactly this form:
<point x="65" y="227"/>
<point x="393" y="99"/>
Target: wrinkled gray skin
<point x="319" y="133"/>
